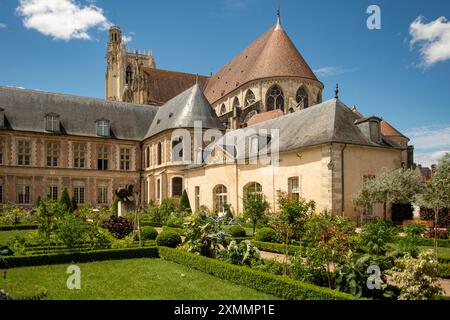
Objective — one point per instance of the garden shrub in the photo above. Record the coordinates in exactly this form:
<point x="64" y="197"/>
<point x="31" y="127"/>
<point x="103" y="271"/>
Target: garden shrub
<point x="175" y="221"/>
<point x="266" y="235"/>
<point x="149" y="233"/>
<point x="275" y="247"/>
<point x="118" y="226"/>
<point x="417" y="277"/>
<point x="80" y="257"/>
<point x="236" y="231"/>
<point x="243" y="253"/>
<point x="126" y="242"/>
<point x="280" y="286"/>
<point x="375" y="236"/>
<point x="443" y="270"/>
<point x="177" y="230"/>
<point x="18" y="227"/>
<point x="168" y="239"/>
<point x="271" y="266"/>
<point x="71" y="230"/>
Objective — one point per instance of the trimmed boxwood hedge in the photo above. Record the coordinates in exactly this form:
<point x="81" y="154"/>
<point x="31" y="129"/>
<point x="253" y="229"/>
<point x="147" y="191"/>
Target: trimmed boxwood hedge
<point x="18" y="227"/>
<point x="429" y="242"/>
<point x="444" y="270"/>
<point x="279" y="286"/>
<point x="180" y="231"/>
<point x="275" y="247"/>
<point x="80" y="257"/>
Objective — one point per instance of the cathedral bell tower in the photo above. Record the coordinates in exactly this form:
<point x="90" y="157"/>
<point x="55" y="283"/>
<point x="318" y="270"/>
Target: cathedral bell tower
<point x="115" y="71"/>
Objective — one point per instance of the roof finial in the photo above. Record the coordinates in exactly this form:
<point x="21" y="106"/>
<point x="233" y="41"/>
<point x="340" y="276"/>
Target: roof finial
<point x="336" y="91"/>
<point x="278" y="16"/>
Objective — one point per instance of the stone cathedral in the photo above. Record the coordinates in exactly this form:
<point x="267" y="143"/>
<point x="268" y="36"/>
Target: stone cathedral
<point x="325" y="149"/>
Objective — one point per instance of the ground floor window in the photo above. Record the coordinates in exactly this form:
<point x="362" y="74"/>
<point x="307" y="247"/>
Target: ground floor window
<point x="177" y="186"/>
<point x="294" y="187"/>
<point x="197" y="198"/>
<point x="220" y="198"/>
<point x="24" y="191"/>
<point x="52" y="190"/>
<point x="158" y="189"/>
<point x="102" y="194"/>
<point x="79" y="190"/>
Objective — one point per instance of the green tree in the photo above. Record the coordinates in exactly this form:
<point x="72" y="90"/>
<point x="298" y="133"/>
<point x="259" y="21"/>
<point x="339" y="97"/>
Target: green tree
<point x="185" y="205"/>
<point x="47" y="215"/>
<point x="115" y="206"/>
<point x="375" y="236"/>
<point x="71" y="230"/>
<point x="289" y="221"/>
<point x="65" y="200"/>
<point x="398" y="186"/>
<point x="255" y="206"/>
<point x="73" y="205"/>
<point x="436" y="193"/>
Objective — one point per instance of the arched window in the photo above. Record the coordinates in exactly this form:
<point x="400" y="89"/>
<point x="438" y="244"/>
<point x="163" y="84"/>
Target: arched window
<point x="252" y="189"/>
<point x="159" y="155"/>
<point x="223" y="109"/>
<point x="249" y="98"/>
<point x="147" y="157"/>
<point x="236" y="103"/>
<point x="177" y="186"/>
<point x="177" y="149"/>
<point x="220" y="198"/>
<point x="275" y="98"/>
<point x="302" y="98"/>
<point x="129" y="76"/>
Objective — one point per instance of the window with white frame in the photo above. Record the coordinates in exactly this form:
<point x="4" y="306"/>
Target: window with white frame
<point x="294" y="187"/>
<point x="102" y="157"/>
<point x="79" y="192"/>
<point x="102" y="193"/>
<point x="220" y="198"/>
<point x="103" y="128"/>
<point x="52" y="123"/>
<point x="23" y="188"/>
<point x="24" y="152"/>
<point x="52" y="153"/>
<point x="52" y="190"/>
<point x="125" y="159"/>
<point x="79" y="155"/>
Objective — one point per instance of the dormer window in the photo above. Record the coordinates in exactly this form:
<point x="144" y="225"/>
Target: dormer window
<point x="103" y="128"/>
<point x="52" y="122"/>
<point x="375" y="131"/>
<point x="371" y="129"/>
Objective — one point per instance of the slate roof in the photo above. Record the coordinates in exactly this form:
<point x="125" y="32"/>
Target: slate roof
<point x="164" y="85"/>
<point x="25" y="110"/>
<point x="183" y="110"/>
<point x="272" y="55"/>
<point x="327" y="122"/>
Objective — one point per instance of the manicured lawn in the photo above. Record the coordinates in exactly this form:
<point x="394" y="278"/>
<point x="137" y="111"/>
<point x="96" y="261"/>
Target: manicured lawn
<point x="126" y="279"/>
<point x="6" y="235"/>
<point x="443" y="251"/>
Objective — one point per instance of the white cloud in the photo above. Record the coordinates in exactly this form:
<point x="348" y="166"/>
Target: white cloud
<point x="128" y="38"/>
<point x="427" y="159"/>
<point x="433" y="39"/>
<point x="430" y="143"/>
<point x="62" y="19"/>
<point x="3" y="25"/>
<point x="430" y="137"/>
<point x="332" y="71"/>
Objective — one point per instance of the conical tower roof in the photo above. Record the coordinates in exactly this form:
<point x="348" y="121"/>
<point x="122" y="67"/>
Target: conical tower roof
<point x="183" y="110"/>
<point x="272" y="55"/>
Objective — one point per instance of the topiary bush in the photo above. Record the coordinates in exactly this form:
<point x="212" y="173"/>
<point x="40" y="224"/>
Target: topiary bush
<point x="175" y="221"/>
<point x="149" y="233"/>
<point x="168" y="239"/>
<point x="266" y="235"/>
<point x="118" y="226"/>
<point x="237" y="231"/>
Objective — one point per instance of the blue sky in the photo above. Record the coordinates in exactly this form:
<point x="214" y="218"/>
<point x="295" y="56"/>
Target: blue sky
<point x="400" y="72"/>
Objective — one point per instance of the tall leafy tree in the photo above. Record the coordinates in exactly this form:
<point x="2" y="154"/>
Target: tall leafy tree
<point x="436" y="193"/>
<point x="255" y="206"/>
<point x="290" y="219"/>
<point x="65" y="200"/>
<point x="398" y="186"/>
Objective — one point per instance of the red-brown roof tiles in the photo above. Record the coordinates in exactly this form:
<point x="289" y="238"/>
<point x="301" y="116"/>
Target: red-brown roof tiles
<point x="272" y="55"/>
